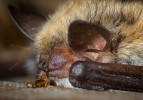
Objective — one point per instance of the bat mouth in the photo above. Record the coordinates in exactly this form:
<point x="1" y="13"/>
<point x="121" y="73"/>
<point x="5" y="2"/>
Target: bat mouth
<point x="61" y="73"/>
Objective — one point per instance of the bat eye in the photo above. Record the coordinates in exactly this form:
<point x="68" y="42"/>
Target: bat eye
<point x="86" y="37"/>
<point x="92" y="50"/>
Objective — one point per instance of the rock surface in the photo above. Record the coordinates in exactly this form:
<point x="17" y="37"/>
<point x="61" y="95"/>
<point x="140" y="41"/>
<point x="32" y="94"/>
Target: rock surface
<point x="18" y="91"/>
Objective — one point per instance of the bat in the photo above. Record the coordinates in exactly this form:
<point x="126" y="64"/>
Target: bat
<point x="106" y="33"/>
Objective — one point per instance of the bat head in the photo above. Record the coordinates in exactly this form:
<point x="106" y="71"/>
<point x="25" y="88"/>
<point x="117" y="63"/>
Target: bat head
<point x="65" y="39"/>
<point x="85" y="42"/>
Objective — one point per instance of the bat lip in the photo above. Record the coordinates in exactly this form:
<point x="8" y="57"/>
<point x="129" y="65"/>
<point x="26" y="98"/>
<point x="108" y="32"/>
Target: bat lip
<point x="26" y="36"/>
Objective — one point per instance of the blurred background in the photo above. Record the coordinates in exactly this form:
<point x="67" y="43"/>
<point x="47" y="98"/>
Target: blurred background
<point x="17" y="54"/>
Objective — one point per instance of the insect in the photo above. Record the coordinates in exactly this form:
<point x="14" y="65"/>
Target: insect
<point x="100" y="31"/>
<point x="42" y="81"/>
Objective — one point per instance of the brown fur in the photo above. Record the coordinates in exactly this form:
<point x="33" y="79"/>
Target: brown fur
<point x="121" y="17"/>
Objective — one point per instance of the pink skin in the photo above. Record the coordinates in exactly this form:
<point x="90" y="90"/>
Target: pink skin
<point x="60" y="60"/>
<point x="99" y="45"/>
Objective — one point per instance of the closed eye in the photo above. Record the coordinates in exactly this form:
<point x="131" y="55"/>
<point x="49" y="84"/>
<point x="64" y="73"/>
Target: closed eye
<point x="92" y="50"/>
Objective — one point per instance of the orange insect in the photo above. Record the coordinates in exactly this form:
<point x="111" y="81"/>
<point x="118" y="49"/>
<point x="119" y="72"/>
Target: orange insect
<point x="41" y="82"/>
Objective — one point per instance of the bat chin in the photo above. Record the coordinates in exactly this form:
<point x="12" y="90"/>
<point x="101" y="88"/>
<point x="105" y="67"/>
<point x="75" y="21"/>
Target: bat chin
<point x="63" y="82"/>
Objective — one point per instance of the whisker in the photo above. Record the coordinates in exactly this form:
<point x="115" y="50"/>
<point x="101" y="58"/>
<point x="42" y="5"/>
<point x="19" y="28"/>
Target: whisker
<point x="14" y="65"/>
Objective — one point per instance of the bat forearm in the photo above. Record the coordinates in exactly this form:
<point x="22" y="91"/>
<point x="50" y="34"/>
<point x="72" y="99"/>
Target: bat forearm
<point x="97" y="76"/>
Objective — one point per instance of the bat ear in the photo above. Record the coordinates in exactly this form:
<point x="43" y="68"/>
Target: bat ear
<point x="84" y="36"/>
<point x="28" y="22"/>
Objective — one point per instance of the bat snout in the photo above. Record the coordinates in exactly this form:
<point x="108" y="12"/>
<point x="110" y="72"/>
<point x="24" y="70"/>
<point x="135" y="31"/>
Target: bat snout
<point x="58" y="62"/>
